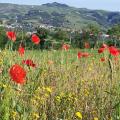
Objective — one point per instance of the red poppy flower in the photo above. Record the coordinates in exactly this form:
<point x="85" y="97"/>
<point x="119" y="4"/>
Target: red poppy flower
<point x="17" y="74"/>
<point x="101" y="50"/>
<point x="35" y="39"/>
<point x="87" y="45"/>
<point x="102" y="59"/>
<point x="79" y="55"/>
<point x="66" y="47"/>
<point x="11" y="35"/>
<point x="113" y="51"/>
<point x="85" y="54"/>
<point x="29" y="63"/>
<point x="21" y="50"/>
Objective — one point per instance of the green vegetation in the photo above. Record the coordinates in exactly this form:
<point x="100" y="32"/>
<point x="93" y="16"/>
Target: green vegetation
<point x="60" y="87"/>
<point x="60" y="84"/>
<point x="59" y="73"/>
<point x="54" y="39"/>
<point x="58" y="15"/>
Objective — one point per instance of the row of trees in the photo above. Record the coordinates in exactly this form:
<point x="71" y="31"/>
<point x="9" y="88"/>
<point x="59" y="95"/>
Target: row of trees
<point x="55" y="38"/>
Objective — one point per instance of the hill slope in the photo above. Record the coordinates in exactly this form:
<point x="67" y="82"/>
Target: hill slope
<point x="58" y="15"/>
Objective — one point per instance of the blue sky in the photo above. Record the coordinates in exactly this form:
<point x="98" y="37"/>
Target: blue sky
<point x="112" y="5"/>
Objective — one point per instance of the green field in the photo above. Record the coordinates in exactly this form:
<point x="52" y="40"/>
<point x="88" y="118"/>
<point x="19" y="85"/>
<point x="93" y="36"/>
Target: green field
<point x="60" y="87"/>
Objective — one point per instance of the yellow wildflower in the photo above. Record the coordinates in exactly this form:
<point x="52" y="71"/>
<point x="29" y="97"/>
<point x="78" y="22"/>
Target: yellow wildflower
<point x="14" y="114"/>
<point x="58" y="98"/>
<point x="46" y="95"/>
<point x="79" y="115"/>
<point x="37" y="97"/>
<point x="49" y="89"/>
<point x="36" y="116"/>
<point x="86" y="92"/>
<point x="95" y="118"/>
<point x="90" y="69"/>
<point x="5" y="86"/>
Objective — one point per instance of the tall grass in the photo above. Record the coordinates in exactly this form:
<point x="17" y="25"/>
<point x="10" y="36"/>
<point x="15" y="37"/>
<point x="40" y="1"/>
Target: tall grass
<point x="60" y="86"/>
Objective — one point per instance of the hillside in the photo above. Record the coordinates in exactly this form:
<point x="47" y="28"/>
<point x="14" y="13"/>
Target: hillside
<point x="57" y="15"/>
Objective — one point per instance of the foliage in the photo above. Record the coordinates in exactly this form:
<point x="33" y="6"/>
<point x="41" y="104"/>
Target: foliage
<point x="55" y="38"/>
<point x="61" y="35"/>
<point x="115" y="30"/>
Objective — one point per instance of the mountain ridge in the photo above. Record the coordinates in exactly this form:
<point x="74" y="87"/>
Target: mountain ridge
<point x="57" y="15"/>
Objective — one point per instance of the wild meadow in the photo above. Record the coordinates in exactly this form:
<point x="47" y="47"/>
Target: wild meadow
<point x="65" y="84"/>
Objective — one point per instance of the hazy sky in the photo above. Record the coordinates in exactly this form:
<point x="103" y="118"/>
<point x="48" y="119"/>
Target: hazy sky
<point x="112" y="5"/>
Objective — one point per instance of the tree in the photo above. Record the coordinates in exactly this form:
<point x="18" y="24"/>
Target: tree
<point x="114" y="32"/>
<point x="43" y="34"/>
<point x="61" y="35"/>
<point x="94" y="33"/>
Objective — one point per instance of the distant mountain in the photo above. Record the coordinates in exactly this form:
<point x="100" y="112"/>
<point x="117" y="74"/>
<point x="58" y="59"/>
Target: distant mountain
<point x="57" y="15"/>
<point x="56" y="4"/>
